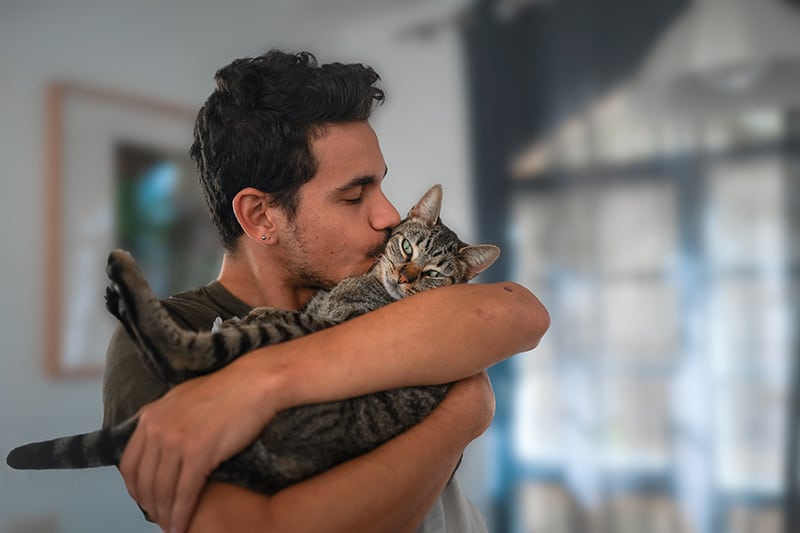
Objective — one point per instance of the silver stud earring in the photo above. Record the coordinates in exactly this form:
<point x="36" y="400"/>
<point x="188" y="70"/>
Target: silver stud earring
<point x="263" y="237"/>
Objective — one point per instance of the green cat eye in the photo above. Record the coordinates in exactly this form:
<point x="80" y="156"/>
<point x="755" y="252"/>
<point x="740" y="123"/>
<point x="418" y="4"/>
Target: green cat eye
<point x="406" y="246"/>
<point x="433" y="274"/>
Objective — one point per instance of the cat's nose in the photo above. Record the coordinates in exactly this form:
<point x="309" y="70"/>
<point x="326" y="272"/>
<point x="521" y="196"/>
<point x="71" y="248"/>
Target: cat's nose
<point x="408" y="274"/>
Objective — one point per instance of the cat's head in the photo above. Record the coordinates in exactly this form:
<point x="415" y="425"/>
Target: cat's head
<point x="422" y="253"/>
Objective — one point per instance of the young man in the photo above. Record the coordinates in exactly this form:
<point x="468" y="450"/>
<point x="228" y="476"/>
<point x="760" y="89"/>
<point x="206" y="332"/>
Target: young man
<point x="292" y="174"/>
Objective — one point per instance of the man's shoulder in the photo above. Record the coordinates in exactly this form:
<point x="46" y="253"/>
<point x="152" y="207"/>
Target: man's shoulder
<point x="196" y="309"/>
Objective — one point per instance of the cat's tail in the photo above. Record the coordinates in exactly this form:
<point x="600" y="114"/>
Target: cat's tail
<point x="103" y="447"/>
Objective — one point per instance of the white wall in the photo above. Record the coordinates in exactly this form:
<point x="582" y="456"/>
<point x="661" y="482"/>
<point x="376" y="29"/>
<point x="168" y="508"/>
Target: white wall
<point x="170" y="51"/>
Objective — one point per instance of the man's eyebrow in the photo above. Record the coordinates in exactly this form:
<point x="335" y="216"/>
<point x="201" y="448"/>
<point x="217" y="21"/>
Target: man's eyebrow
<point x="360" y="181"/>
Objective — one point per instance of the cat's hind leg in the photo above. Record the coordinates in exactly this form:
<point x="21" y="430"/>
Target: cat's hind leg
<point x="179" y="354"/>
<point x="171" y="349"/>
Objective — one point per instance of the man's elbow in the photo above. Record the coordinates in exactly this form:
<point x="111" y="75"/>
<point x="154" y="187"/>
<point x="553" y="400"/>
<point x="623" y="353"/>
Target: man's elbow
<point x="530" y="315"/>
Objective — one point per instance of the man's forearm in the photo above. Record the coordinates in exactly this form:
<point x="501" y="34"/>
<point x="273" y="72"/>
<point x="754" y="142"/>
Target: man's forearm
<point x="434" y="337"/>
<point x="389" y="489"/>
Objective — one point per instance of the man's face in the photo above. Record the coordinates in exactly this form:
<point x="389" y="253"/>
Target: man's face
<point x="342" y="216"/>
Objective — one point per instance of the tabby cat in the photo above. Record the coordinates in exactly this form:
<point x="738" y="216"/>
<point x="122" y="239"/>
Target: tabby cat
<point x="420" y="254"/>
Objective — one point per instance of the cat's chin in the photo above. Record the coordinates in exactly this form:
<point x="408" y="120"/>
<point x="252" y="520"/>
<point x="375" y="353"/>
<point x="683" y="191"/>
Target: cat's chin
<point x="392" y="288"/>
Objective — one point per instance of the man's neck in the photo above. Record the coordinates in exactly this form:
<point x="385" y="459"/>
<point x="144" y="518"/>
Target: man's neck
<point x="258" y="283"/>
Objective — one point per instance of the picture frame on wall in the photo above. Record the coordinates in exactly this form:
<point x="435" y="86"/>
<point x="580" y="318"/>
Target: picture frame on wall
<point x="118" y="176"/>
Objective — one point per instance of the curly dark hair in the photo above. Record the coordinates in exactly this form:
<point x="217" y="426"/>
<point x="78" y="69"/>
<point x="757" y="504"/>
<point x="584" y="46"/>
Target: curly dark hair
<point x="255" y="129"/>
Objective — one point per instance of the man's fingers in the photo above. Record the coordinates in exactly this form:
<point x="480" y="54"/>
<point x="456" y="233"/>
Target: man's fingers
<point x="129" y="464"/>
<point x="190" y="484"/>
<point x="146" y="483"/>
<point x="169" y="469"/>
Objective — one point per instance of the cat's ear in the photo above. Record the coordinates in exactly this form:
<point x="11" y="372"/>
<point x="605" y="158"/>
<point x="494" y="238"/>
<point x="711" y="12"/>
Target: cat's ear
<point x="429" y="206"/>
<point x="478" y="258"/>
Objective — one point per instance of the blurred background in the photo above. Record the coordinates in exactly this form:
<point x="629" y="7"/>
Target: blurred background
<point x="636" y="161"/>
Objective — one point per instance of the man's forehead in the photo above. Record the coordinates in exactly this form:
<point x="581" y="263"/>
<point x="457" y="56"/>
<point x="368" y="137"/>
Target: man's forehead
<point x="347" y="155"/>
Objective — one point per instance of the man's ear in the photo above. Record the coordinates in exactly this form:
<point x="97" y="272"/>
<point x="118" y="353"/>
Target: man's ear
<point x="255" y="214"/>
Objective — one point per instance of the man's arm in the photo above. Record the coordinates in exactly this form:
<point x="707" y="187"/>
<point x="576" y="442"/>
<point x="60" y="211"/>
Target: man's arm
<point x="446" y="335"/>
<point x="383" y="490"/>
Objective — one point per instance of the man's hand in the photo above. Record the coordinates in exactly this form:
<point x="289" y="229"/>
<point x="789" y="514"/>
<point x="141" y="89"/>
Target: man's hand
<point x="182" y="437"/>
<point x="472" y="402"/>
<point x="355" y="495"/>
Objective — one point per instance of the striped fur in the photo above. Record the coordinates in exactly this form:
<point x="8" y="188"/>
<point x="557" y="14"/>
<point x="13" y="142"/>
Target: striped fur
<point x="420" y="254"/>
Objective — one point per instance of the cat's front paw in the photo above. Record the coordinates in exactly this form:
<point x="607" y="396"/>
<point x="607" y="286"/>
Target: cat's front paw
<point x="220" y="324"/>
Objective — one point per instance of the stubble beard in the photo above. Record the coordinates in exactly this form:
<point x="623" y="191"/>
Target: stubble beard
<point x="306" y="276"/>
<point x="300" y="266"/>
<point x="303" y="274"/>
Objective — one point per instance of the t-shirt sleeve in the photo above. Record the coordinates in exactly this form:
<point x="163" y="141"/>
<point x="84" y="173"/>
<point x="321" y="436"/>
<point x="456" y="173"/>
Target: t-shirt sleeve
<point x="453" y="512"/>
<point x="128" y="384"/>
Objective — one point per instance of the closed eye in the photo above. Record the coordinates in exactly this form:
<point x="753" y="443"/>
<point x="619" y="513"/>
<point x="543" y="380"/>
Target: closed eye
<point x="353" y="192"/>
<point x="354" y="200"/>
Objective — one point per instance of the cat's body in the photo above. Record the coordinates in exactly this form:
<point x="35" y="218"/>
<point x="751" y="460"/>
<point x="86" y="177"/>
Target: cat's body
<point x="299" y="442"/>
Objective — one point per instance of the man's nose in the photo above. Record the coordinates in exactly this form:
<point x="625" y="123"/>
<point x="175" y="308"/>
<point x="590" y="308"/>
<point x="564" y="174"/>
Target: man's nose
<point x="384" y="215"/>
